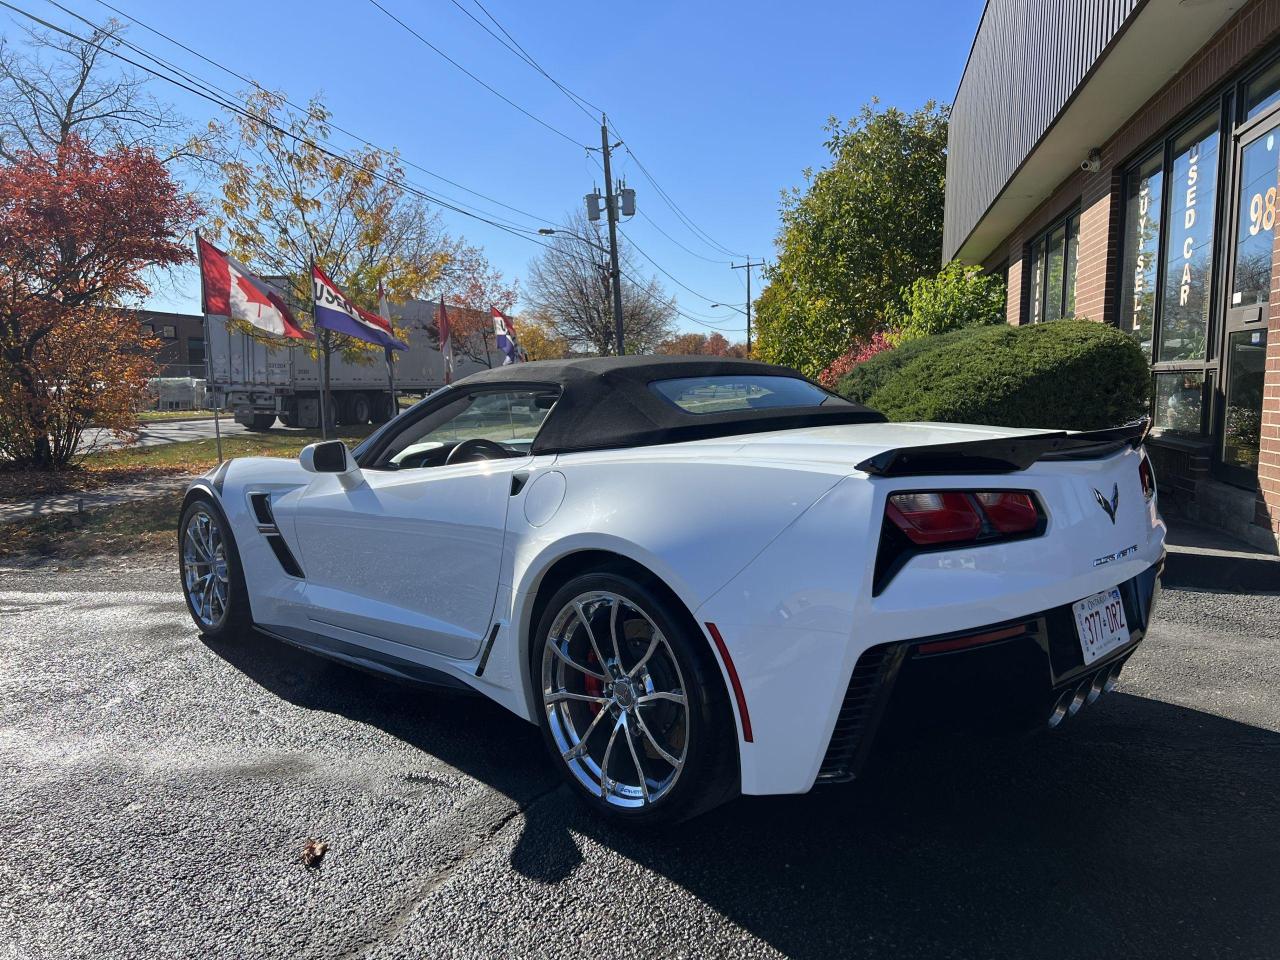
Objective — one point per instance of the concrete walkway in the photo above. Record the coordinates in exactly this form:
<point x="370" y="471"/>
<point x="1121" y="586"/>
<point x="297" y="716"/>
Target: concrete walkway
<point x="1205" y="558"/>
<point x="92" y="499"/>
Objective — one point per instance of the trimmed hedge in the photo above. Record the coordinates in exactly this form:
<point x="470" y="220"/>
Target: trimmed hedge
<point x="1069" y="375"/>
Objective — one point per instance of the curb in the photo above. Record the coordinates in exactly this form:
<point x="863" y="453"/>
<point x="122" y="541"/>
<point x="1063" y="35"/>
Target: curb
<point x="1198" y="570"/>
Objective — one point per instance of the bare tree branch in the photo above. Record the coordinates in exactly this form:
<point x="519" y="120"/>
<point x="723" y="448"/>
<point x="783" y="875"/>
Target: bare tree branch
<point x="569" y="290"/>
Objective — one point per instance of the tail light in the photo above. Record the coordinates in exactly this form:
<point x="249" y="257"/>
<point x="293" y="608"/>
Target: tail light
<point x="929" y="518"/>
<point x="1148" y="477"/>
<point x="1009" y="511"/>
<point x="925" y="520"/>
<point x="938" y="517"/>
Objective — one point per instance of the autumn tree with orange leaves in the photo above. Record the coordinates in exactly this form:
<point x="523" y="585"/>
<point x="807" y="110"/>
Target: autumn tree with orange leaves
<point x="78" y="228"/>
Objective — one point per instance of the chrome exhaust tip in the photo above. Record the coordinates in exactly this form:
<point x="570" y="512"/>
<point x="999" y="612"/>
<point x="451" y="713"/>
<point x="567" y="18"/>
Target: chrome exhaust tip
<point x="1097" y="685"/>
<point x="1078" y="699"/>
<point x="1059" y="711"/>
<point x="1113" y="678"/>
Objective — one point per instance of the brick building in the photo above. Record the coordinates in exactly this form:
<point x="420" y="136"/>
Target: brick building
<point x="182" y="353"/>
<point x="1119" y="160"/>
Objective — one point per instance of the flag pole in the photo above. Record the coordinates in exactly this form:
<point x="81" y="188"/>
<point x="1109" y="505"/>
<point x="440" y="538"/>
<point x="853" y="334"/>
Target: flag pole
<point x="384" y="311"/>
<point x="391" y="382"/>
<point x="208" y="361"/>
<point x="325" y="399"/>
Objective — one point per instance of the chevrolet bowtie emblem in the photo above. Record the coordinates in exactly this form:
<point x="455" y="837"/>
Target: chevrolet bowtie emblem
<point x="1108" y="506"/>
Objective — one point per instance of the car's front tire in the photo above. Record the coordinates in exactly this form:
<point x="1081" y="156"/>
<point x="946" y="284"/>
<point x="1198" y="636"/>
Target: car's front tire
<point x="212" y="579"/>
<point x="631" y="705"/>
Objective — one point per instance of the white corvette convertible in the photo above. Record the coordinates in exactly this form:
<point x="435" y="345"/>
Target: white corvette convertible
<point x="700" y="577"/>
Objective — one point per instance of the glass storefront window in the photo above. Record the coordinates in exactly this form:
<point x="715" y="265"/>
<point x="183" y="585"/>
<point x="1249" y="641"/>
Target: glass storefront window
<point x="1144" y="191"/>
<point x="1073" y="264"/>
<point x="1193" y="181"/>
<point x="1262" y="91"/>
<point x="1242" y="429"/>
<point x="1179" y="402"/>
<point x="1037" y="279"/>
<point x="1255" y="234"/>
<point x="1052" y="293"/>
<point x="1055" y="271"/>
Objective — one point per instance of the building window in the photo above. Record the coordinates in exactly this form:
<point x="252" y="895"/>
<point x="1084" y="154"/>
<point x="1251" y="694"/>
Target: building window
<point x="169" y="333"/>
<point x="1188" y="268"/>
<point x="1144" y="191"/>
<point x="1166" y="279"/>
<point x="1262" y="92"/>
<point x="1053" y="262"/>
<point x="1179" y="402"/>
<point x="195" y="350"/>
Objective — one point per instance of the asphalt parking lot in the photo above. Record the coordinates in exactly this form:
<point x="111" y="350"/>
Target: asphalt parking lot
<point x="158" y="789"/>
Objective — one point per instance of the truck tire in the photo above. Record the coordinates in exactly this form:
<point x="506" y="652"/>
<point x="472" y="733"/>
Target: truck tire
<point x="382" y="409"/>
<point x="262" y="421"/>
<point x="359" y="410"/>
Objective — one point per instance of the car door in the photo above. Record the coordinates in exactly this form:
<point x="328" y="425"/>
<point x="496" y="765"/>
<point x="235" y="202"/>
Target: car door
<point x="410" y="550"/>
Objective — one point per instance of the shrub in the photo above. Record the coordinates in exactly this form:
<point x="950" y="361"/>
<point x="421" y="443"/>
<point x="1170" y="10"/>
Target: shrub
<point x="959" y="296"/>
<point x="1070" y="374"/>
<point x="865" y="378"/>
<point x="860" y="352"/>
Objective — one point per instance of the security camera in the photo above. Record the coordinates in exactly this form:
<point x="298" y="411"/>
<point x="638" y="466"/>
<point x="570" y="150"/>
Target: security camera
<point x="1094" y="163"/>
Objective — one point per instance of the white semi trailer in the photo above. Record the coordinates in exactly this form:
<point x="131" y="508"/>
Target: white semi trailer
<point x="260" y="382"/>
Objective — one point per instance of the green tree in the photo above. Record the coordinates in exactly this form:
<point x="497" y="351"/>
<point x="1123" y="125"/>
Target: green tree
<point x="959" y="296"/>
<point x="860" y="230"/>
<point x="287" y="202"/>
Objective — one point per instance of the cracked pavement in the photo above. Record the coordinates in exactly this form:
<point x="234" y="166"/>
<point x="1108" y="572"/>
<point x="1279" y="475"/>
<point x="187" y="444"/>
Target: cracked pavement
<point x="157" y="791"/>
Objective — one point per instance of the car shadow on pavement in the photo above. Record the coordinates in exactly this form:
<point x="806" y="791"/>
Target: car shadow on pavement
<point x="1141" y="828"/>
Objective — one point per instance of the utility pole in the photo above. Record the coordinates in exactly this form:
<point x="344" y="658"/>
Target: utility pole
<point x="747" y="267"/>
<point x="611" y="213"/>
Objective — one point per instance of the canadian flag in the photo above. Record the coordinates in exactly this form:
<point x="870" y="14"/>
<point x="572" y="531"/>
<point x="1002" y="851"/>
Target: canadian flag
<point x="230" y="290"/>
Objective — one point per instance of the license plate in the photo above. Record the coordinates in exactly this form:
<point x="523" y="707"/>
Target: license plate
<point x="1100" y="623"/>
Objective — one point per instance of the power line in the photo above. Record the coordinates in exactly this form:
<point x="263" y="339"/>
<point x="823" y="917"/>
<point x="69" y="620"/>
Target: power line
<point x="513" y="45"/>
<point x="305" y="110"/>
<point x="691" y="253"/>
<point x="670" y="276"/>
<point x="675" y="208"/>
<point x="238" y="108"/>
<point x="495" y="92"/>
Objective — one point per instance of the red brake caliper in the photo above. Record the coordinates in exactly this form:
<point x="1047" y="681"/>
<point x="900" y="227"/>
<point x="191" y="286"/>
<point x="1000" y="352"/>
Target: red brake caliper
<point x="593" y="687"/>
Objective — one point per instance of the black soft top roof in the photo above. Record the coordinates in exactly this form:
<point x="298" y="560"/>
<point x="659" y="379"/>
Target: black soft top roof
<point x="606" y="402"/>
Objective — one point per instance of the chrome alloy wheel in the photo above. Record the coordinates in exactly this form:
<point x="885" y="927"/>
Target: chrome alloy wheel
<point x="615" y="700"/>
<point x="204" y="567"/>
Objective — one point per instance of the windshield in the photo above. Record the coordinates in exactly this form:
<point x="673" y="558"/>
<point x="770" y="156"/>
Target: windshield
<point x="701" y="395"/>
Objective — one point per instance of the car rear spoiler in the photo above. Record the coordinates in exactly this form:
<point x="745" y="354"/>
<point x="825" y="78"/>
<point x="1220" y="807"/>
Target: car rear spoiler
<point x="1006" y="454"/>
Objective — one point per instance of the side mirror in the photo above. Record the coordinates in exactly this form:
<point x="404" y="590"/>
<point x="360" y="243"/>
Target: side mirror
<point x="331" y="456"/>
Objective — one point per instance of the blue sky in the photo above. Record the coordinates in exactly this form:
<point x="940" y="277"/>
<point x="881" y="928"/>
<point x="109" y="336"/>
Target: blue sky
<point x="724" y="103"/>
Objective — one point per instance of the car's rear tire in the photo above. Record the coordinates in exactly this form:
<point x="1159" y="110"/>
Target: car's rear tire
<point x="631" y="705"/>
<point x="212" y="578"/>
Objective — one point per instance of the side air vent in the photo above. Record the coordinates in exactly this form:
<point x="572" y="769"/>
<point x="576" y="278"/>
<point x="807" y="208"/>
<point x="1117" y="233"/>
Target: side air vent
<point x="860" y="713"/>
<point x="262" y="508"/>
<point x="284" y="555"/>
<point x="261" y="503"/>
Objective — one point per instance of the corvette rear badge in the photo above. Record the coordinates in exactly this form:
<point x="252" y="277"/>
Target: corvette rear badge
<point x="1108" y="506"/>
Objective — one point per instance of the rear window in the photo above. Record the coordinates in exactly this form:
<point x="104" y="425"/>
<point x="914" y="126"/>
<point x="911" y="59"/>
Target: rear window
<point x="752" y="392"/>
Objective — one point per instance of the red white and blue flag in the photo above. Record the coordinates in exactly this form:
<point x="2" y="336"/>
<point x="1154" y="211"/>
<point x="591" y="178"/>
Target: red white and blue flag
<point x="333" y="311"/>
<point x="505" y="337"/>
<point x="230" y="290"/>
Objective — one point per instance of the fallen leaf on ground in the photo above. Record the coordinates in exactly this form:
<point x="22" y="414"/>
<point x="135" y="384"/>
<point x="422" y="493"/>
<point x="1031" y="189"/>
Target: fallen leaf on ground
<point x="313" y="852"/>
